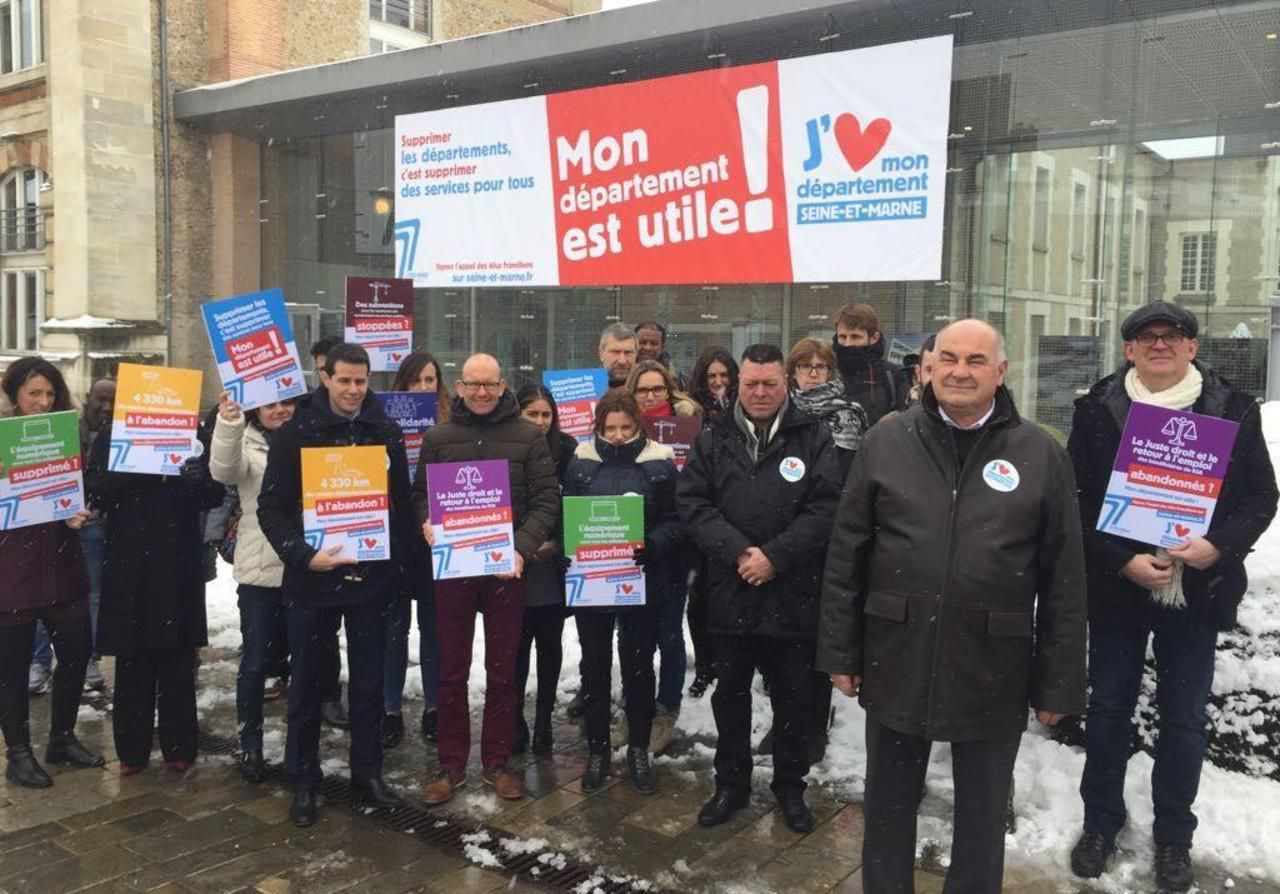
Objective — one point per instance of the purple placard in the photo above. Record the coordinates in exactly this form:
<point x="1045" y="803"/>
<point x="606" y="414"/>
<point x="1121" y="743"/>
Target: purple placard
<point x="1167" y="475"/>
<point x="470" y="506"/>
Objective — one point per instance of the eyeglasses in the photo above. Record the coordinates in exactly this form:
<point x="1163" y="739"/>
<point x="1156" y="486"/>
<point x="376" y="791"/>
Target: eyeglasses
<point x="1171" y="339"/>
<point x="655" y="391"/>
<point x="473" y="387"/>
<point x="812" y="368"/>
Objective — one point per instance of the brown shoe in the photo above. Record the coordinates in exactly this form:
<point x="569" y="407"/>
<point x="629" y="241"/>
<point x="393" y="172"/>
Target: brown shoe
<point x="507" y="784"/>
<point x="441" y="788"/>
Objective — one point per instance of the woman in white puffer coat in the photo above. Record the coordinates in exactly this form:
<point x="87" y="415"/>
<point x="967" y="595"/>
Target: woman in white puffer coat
<point x="238" y="456"/>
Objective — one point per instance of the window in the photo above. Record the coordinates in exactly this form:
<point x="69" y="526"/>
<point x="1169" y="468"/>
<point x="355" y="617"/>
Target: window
<point x="1040" y="229"/>
<point x="22" y="301"/>
<point x="1197" y="262"/>
<point x="21" y="221"/>
<point x="412" y="14"/>
<point x="20" y="33"/>
<point x="1079" y="219"/>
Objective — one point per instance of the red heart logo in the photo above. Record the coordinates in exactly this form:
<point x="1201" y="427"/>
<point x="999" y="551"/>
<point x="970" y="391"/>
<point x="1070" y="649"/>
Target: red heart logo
<point x="495" y="557"/>
<point x="396" y="357"/>
<point x="371" y="542"/>
<point x="1002" y="469"/>
<point x="861" y="146"/>
<point x="175" y="458"/>
<point x="64" y="503"/>
<point x="627" y="588"/>
<point x="1181" y="530"/>
<point x="286" y="381"/>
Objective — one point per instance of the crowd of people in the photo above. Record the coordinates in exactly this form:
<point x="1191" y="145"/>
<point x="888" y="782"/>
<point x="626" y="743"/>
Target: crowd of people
<point x="897" y="534"/>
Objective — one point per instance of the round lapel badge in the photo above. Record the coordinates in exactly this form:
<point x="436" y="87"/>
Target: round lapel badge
<point x="792" y="468"/>
<point x="1000" y="475"/>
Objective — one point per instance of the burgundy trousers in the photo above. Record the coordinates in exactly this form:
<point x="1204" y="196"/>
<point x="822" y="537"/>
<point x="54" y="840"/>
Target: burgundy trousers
<point x="501" y="602"/>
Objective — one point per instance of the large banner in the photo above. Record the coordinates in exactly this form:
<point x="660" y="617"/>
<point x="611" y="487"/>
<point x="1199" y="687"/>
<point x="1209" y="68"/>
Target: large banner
<point x="829" y="167"/>
<point x="380" y="319"/>
<point x="254" y="349"/>
<point x="1167" y="475"/>
<point x="344" y="501"/>
<point x="40" y="471"/>
<point x="153" y="425"/>
<point x="470" y="510"/>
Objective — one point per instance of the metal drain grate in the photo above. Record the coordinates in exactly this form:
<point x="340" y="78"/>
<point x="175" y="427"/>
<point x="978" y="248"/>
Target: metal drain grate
<point x="432" y="826"/>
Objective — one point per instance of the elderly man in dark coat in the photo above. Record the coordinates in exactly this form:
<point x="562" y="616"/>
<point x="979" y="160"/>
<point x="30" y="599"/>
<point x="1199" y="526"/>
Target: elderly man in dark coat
<point x="954" y="598"/>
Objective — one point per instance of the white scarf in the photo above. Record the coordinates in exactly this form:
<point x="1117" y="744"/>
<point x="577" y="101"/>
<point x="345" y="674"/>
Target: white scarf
<point x="1181" y="396"/>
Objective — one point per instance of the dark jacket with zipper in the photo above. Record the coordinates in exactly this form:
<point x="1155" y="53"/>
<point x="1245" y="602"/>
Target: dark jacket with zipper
<point x="730" y="500"/>
<point x="280" y="506"/>
<point x="647" y="468"/>
<point x="1245" y="507"/>
<point x="499" y="434"/>
<point x="957" y="598"/>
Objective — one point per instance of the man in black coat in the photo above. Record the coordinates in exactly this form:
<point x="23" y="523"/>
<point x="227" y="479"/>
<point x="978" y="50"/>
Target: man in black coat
<point x="878" y="385"/>
<point x="954" y="597"/>
<point x="758" y="495"/>
<point x="1179" y="597"/>
<point x="321" y="586"/>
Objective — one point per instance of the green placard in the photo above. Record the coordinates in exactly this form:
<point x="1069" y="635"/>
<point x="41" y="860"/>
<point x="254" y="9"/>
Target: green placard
<point x="602" y="522"/>
<point x="40" y="474"/>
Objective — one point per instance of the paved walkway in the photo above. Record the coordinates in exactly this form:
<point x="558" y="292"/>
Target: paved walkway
<point x="207" y="831"/>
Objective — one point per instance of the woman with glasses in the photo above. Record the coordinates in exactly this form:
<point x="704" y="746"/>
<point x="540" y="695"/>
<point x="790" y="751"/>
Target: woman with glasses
<point x="656" y="392"/>
<point x="817" y="390"/>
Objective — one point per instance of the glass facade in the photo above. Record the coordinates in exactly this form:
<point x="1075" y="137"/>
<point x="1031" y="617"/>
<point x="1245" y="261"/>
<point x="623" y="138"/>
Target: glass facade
<point x="1091" y="168"/>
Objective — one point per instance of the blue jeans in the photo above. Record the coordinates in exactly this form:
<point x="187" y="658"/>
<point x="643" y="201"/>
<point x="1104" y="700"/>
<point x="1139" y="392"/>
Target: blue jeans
<point x="261" y="612"/>
<point x="428" y="653"/>
<point x="674" y="660"/>
<point x="1184" y="675"/>
<point x="395" y="664"/>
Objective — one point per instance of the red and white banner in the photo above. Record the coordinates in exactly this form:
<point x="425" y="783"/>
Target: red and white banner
<point x="820" y="168"/>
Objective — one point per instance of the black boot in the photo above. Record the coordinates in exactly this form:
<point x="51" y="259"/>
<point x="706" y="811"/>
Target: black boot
<point x="374" y="793"/>
<point x="65" y="748"/>
<point x="597" y="771"/>
<point x="577" y="706"/>
<point x="24" y="770"/>
<point x="702" y="681"/>
<point x="392" y="730"/>
<point x="1089" y="856"/>
<point x="252" y="766"/>
<point x="641" y="770"/>
<point x="795" y="811"/>
<point x="334" y="714"/>
<point x="521" y="744"/>
<point x="1173" y="867"/>
<point x="722" y="806"/>
<point x="542" y="738"/>
<point x="430" y="730"/>
<point x="303" y="811"/>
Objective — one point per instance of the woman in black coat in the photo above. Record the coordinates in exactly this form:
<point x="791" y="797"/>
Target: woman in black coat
<point x="152" y="615"/>
<point x="621" y="460"/>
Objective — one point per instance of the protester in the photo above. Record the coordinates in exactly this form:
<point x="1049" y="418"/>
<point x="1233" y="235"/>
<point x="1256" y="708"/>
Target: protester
<point x="651" y="344"/>
<point x="419" y="372"/>
<point x="953" y="649"/>
<point x="42" y="577"/>
<point x="714" y="383"/>
<point x="238" y="458"/>
<point x="321" y="587"/>
<point x="1179" y="598"/>
<point x="657" y="393"/>
<point x="622" y="460"/>
<point x="319" y="354"/>
<point x="758" y="495"/>
<point x="544" y="609"/>
<point x="817" y="390"/>
<point x="485" y="424"/>
<point x="871" y="380"/>
<point x="152" y="616"/>
<point x="617" y="352"/>
<point x="98" y="407"/>
<point x="924" y="371"/>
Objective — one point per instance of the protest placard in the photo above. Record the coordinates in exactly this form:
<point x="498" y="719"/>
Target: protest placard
<point x="380" y="319"/>
<point x="254" y="349"/>
<point x="470" y="508"/>
<point x="576" y="392"/>
<point x="344" y="501"/>
<point x="41" y="473"/>
<point x="153" y="425"/>
<point x="601" y="535"/>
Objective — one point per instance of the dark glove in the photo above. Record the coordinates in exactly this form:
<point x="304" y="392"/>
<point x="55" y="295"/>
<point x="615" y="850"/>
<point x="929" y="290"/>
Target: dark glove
<point x="640" y="556"/>
<point x="192" y="473"/>
<point x="563" y="562"/>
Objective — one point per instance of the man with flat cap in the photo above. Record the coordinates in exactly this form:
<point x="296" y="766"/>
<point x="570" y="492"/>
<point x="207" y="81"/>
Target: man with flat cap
<point x="1180" y="598"/>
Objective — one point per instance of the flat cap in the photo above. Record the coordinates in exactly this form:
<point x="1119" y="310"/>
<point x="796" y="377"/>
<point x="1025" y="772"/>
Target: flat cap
<point x="1159" y="312"/>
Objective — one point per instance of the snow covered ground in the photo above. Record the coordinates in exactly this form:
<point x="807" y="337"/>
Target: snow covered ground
<point x="1239" y="814"/>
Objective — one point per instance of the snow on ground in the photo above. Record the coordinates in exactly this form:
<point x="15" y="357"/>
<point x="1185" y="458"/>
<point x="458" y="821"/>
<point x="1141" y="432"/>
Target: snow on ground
<point x="1238" y="813"/>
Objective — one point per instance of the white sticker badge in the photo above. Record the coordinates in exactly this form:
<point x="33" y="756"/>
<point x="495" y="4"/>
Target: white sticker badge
<point x="1000" y="475"/>
<point x="792" y="468"/>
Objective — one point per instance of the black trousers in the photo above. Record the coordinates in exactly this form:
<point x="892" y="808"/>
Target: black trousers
<point x="704" y="659"/>
<point x="637" y="642"/>
<point x="72" y="641"/>
<point x="163" y="679"/>
<point x="309" y="633"/>
<point x="788" y="665"/>
<point x="543" y="626"/>
<point x="896" y="765"/>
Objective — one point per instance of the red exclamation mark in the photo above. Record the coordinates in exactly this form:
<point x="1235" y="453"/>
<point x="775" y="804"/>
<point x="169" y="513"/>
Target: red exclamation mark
<point x="753" y="121"/>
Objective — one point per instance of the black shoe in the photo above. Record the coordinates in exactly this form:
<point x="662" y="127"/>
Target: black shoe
<point x="701" y="683"/>
<point x="543" y="741"/>
<point x="430" y="731"/>
<point x="252" y="767"/>
<point x="1089" y="856"/>
<point x="334" y="714"/>
<point x="1173" y="867"/>
<point x="303" y="811"/>
<point x="392" y="730"/>
<point x="795" y="811"/>
<point x="374" y="793"/>
<point x="577" y="706"/>
<point x="521" y="744"/>
<point x="65" y="748"/>
<point x="723" y="805"/>
<point x="24" y="770"/>
<point x="597" y="771"/>
<point x="641" y="770"/>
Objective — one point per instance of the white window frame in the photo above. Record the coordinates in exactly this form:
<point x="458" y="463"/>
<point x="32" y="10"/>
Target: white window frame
<point x="413" y="7"/>
<point x="26" y="223"/>
<point x="9" y="340"/>
<point x="33" y="25"/>
<point x="1202" y="281"/>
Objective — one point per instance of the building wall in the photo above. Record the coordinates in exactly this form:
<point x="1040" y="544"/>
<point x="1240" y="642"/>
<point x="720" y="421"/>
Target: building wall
<point x="464" y="18"/>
